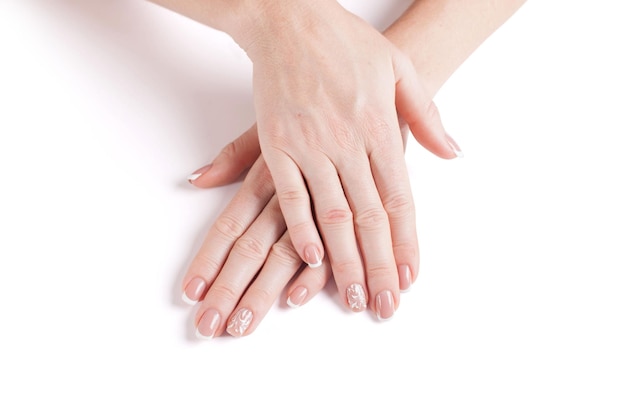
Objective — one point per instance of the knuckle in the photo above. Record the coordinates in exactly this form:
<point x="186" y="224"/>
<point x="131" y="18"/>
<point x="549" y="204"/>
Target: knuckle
<point x="335" y="216"/>
<point x="205" y="263"/>
<point x="292" y="196"/>
<point x="347" y="268"/>
<point x="285" y="254"/>
<point x="224" y="293"/>
<point x="406" y="250"/>
<point x="231" y="150"/>
<point x="372" y="218"/>
<point x="399" y="205"/>
<point x="380" y="273"/>
<point x="378" y="128"/>
<point x="229" y="227"/>
<point x="260" y="294"/>
<point x="250" y="247"/>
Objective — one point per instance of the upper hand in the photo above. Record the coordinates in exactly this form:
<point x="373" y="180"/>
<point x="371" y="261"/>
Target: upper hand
<point x="328" y="90"/>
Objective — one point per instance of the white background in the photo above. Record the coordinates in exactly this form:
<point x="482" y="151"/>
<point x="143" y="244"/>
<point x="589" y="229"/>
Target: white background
<point x="107" y="106"/>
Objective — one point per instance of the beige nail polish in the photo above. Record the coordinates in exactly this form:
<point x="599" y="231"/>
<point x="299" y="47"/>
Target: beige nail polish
<point x="194" y="291"/>
<point x="208" y="324"/>
<point x="385" y="305"/>
<point x="297" y="297"/>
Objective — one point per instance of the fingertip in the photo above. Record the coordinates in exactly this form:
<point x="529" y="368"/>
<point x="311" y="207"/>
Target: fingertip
<point x="454" y="146"/>
<point x="199" y="173"/>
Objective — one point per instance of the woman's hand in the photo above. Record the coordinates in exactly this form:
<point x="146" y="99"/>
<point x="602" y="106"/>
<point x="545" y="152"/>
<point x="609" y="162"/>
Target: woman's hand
<point x="247" y="257"/>
<point x="222" y="274"/>
<point x="328" y="91"/>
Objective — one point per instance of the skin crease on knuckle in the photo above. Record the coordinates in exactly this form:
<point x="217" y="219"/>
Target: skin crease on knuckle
<point x="251" y="248"/>
<point x="399" y="206"/>
<point x="371" y="219"/>
<point x="229" y="227"/>
<point x="285" y="254"/>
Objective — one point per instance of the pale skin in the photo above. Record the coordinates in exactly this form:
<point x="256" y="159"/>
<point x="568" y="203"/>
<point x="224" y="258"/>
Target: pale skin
<point x="339" y="87"/>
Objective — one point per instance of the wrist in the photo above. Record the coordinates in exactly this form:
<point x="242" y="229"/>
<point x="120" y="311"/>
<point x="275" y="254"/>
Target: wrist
<point x="257" y="25"/>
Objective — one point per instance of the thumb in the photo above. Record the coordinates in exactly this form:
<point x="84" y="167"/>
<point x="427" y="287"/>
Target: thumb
<point x="230" y="163"/>
<point x="417" y="109"/>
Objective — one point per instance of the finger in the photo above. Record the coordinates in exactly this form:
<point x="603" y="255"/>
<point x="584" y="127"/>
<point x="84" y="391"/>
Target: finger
<point x="420" y="112"/>
<point x="241" y="212"/>
<point x="335" y="221"/>
<point x="374" y="236"/>
<point x="392" y="182"/>
<point x="282" y="263"/>
<point x="307" y="284"/>
<point x="244" y="262"/>
<point x="230" y="163"/>
<point x="295" y="204"/>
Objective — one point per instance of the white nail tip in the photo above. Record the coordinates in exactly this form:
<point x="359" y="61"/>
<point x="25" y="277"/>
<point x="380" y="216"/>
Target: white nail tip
<point x="458" y="154"/>
<point x="201" y="336"/>
<point x="291" y="303"/>
<point x="188" y="300"/>
<point x="193" y="177"/>
<point x="316" y="264"/>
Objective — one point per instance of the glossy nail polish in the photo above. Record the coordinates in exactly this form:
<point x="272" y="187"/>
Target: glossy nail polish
<point x="239" y="322"/>
<point x="312" y="256"/>
<point x="297" y="297"/>
<point x="208" y="324"/>
<point x="194" y="291"/>
<point x="454" y="146"/>
<point x="198" y="173"/>
<point x="384" y="305"/>
<point x="404" y="277"/>
<point x="356" y="297"/>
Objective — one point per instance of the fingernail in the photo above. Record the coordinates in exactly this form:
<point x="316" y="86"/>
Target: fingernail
<point x="194" y="291"/>
<point x="239" y="322"/>
<point x="454" y="146"/>
<point x="404" y="276"/>
<point x="312" y="256"/>
<point x="384" y="305"/>
<point x="356" y="297"/>
<point x="198" y="173"/>
<point x="208" y="324"/>
<point x="297" y="296"/>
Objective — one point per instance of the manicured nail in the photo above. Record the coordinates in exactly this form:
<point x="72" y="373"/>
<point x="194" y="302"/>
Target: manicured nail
<point x="454" y="146"/>
<point x="194" y="291"/>
<point x="297" y="296"/>
<point x="198" y="173"/>
<point x="384" y="305"/>
<point x="312" y="256"/>
<point x="239" y="322"/>
<point x="208" y="324"/>
<point x="404" y="276"/>
<point x="356" y="297"/>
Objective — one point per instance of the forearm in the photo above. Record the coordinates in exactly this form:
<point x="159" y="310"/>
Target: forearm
<point x="438" y="35"/>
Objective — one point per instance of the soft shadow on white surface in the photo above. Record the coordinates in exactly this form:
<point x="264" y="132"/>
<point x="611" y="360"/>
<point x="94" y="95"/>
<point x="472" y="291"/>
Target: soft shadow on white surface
<point x="107" y="106"/>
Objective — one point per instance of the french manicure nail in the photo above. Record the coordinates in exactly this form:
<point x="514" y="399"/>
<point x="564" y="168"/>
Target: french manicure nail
<point x="454" y="146"/>
<point x="384" y="305"/>
<point x="239" y="322"/>
<point x="356" y="297"/>
<point x="312" y="257"/>
<point x="194" y="291"/>
<point x="297" y="296"/>
<point x="208" y="324"/>
<point x="404" y="277"/>
<point x="198" y="173"/>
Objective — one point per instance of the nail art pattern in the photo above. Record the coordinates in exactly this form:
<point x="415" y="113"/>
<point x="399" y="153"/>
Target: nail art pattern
<point x="356" y="297"/>
<point x="239" y="322"/>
